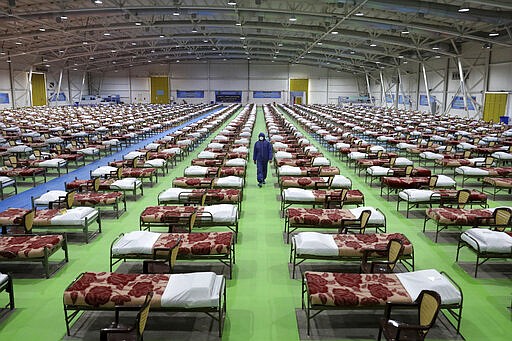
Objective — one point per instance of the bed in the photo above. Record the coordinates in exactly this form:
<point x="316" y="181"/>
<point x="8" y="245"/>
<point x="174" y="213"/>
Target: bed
<point x="63" y="199"/>
<point x="324" y="197"/>
<point x="193" y="292"/>
<point x="472" y="172"/>
<point x="458" y="217"/>
<point x="32" y="248"/>
<point x="190" y="216"/>
<point x="330" y="218"/>
<point x="376" y="172"/>
<point x="111" y="184"/>
<point x="188" y="196"/>
<point x="415" y="197"/>
<point x="6" y="285"/>
<point x="308" y="171"/>
<point x="5" y="183"/>
<point x="486" y="244"/>
<point x="344" y="247"/>
<point x="336" y="291"/>
<point x="393" y="184"/>
<point x="24" y="173"/>
<point x="315" y="182"/>
<point x="192" y="246"/>
<point x="498" y="185"/>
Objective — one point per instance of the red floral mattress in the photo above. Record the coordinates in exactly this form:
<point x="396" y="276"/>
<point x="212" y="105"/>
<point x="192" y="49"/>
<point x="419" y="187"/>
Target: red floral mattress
<point x="138" y="172"/>
<point x="458" y="216"/>
<point x="405" y="182"/>
<point x="106" y="290"/>
<point x="293" y="162"/>
<point x="28" y="246"/>
<point x="162" y="214"/>
<point x="448" y="194"/>
<point x="78" y="184"/>
<point x="219" y="195"/>
<point x="236" y="155"/>
<point x="201" y="243"/>
<point x="498" y="182"/>
<point x="318" y="216"/>
<point x="22" y="172"/>
<point x="354" y="290"/>
<point x="372" y="162"/>
<point x="453" y="162"/>
<point x="303" y="182"/>
<point x="207" y="162"/>
<point x="96" y="198"/>
<point x="354" y="196"/>
<point x="12" y="216"/>
<point x="192" y="182"/>
<point x="499" y="171"/>
<point x="44" y="217"/>
<point x="229" y="171"/>
<point x="353" y="245"/>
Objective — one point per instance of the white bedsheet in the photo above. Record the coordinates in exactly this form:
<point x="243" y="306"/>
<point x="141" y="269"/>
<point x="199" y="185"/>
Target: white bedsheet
<point x="75" y="216"/>
<point x="53" y="163"/>
<point x="193" y="290"/>
<point x="298" y="194"/>
<point x="416" y="281"/>
<point x="196" y="170"/>
<point x="103" y="171"/>
<point x="340" y="181"/>
<point x="289" y="170"/>
<point x="314" y="243"/>
<point x="502" y="155"/>
<point x="135" y="242"/>
<point x="126" y="184"/>
<point x="222" y="213"/>
<point x="445" y="181"/>
<point x="488" y="240"/>
<point x="466" y="170"/>
<point x="6" y="181"/>
<point x="3" y="278"/>
<point x="89" y="151"/>
<point x="238" y="162"/>
<point x="418" y="195"/>
<point x="216" y="145"/>
<point x="431" y="156"/>
<point x="321" y="161"/>
<point x="49" y="196"/>
<point x="357" y="155"/>
<point x="241" y="149"/>
<point x="133" y="155"/>
<point x="379" y="171"/>
<point x="206" y="155"/>
<point x="283" y="155"/>
<point x="158" y="163"/>
<point x="230" y="181"/>
<point x="402" y="161"/>
<point x="376" y="218"/>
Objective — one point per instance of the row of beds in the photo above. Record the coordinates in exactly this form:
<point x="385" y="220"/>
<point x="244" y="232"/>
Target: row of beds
<point x="176" y="206"/>
<point x="324" y="290"/>
<point x="30" y="148"/>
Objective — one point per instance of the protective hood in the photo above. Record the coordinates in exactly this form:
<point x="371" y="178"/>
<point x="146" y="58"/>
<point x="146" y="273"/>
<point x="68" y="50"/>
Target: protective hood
<point x="261" y="135"/>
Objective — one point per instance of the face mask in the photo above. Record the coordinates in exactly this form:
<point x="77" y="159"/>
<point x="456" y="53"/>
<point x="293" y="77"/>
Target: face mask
<point x="261" y="138"/>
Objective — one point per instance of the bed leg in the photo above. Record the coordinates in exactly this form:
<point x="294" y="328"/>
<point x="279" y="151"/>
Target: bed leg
<point x="10" y="290"/>
<point x="476" y="265"/>
<point x="46" y="266"/>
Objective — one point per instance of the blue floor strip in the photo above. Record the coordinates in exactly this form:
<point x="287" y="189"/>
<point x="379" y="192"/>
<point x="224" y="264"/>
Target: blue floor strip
<point x="23" y="199"/>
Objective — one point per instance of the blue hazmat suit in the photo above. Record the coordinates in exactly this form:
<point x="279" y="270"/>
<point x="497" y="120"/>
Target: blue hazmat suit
<point x="262" y="155"/>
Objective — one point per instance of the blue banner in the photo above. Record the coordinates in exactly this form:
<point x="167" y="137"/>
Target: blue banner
<point x="266" y="94"/>
<point x="190" y="93"/>
<point x="390" y="99"/>
<point x="424" y="102"/>
<point x="458" y="102"/>
<point x="60" y="98"/>
<point x="4" y="98"/>
<point x="228" y="96"/>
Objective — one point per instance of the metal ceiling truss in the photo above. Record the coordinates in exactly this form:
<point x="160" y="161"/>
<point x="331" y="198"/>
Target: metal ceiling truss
<point x="335" y="34"/>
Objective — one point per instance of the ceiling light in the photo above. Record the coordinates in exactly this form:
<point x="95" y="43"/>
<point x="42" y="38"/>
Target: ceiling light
<point x="205" y="40"/>
<point x="75" y="69"/>
<point x="162" y="36"/>
<point x="377" y="62"/>
<point x="232" y="3"/>
<point x="177" y="61"/>
<point x="274" y="57"/>
<point x="106" y="34"/>
<point x="18" y="43"/>
<point x="319" y="43"/>
<point x="149" y="61"/>
<point x="405" y="31"/>
<point x="84" y="43"/>
<point x="435" y="47"/>
<point x="359" y="14"/>
<point x="130" y="65"/>
<point x="277" y="51"/>
<point x="113" y="51"/>
<point x="91" y="58"/>
<point x="47" y="65"/>
<point x="334" y="32"/>
<point x="373" y="45"/>
<point x="405" y="62"/>
<point x="194" y="30"/>
<point x="134" y="43"/>
<point x="400" y="56"/>
<point x="494" y="34"/>
<point x="114" y="62"/>
<point x="280" y="44"/>
<point x="98" y="2"/>
<point x="45" y="59"/>
<point x="138" y="24"/>
<point x="292" y="18"/>
<point x="64" y="17"/>
<point x="352" y="52"/>
<point x="42" y="29"/>
<point x="238" y="24"/>
<point x="463" y="8"/>
<point x="152" y="51"/>
<point x="176" y="12"/>
<point x="8" y="59"/>
<point x="242" y="38"/>
<point x="487" y="46"/>
<point x="437" y="56"/>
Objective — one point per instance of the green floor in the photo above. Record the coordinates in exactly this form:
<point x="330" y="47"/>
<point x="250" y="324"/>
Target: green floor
<point x="262" y="299"/>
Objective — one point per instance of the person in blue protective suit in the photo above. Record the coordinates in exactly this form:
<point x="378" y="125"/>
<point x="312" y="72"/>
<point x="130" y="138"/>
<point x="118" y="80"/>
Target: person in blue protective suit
<point x="262" y="155"/>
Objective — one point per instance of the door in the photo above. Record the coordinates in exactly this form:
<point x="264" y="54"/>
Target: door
<point x="160" y="90"/>
<point x="38" y="84"/>
<point x="495" y="106"/>
<point x="299" y="91"/>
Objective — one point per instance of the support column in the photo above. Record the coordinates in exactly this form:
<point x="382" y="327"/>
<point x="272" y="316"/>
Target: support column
<point x="29" y="87"/>
<point x="58" y="88"/>
<point x="82" y="88"/>
<point x="397" y="90"/>
<point x="446" y="84"/>
<point x="368" y="87"/>
<point x="130" y="84"/>
<point x="463" y="86"/>
<point x="418" y="88"/>
<point x="11" y="82"/>
<point x="425" y="79"/>
<point x="70" y="97"/>
<point x="382" y="91"/>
